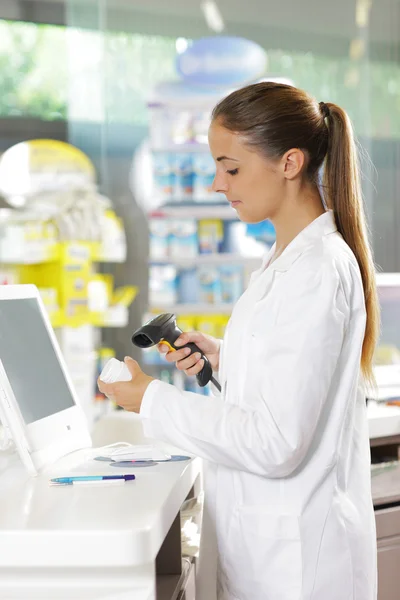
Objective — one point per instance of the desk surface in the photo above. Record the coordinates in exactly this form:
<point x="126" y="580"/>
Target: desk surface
<point x="122" y="526"/>
<point x="89" y="526"/>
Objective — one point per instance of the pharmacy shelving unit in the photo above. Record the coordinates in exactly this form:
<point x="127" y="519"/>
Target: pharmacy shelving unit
<point x="58" y="232"/>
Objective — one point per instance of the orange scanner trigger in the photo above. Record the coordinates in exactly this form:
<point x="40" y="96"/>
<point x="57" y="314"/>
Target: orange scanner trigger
<point x="170" y="346"/>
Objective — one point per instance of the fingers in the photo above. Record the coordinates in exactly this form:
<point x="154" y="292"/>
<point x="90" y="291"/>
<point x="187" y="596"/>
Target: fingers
<point x="186" y="337"/>
<point x="189" y="363"/>
<point x="163" y="348"/>
<point x="175" y="356"/>
<point x="108" y="389"/>
<point x="185" y="361"/>
<point x="196" y="368"/>
<point x="132" y="366"/>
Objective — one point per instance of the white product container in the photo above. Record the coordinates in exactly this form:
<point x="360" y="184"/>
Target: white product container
<point x="115" y="370"/>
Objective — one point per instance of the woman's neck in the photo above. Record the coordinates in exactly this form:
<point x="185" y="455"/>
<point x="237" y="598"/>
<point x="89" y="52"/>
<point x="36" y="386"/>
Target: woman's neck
<point x="294" y="216"/>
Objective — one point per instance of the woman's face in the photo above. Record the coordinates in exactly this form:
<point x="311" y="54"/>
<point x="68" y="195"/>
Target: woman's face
<point x="253" y="184"/>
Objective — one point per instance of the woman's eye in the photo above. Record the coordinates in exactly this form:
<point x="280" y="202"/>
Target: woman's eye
<point x="233" y="172"/>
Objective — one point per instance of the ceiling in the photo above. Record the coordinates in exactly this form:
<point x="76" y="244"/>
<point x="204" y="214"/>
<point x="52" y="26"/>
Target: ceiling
<point x="307" y="16"/>
<point x="317" y="25"/>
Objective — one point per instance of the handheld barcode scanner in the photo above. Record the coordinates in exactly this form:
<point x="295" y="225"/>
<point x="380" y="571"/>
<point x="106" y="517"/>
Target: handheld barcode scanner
<point x="164" y="329"/>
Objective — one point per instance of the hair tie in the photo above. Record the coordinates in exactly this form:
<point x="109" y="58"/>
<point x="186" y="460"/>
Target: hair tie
<point x="325" y="110"/>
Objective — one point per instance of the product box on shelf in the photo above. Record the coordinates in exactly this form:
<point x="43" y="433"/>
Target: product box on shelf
<point x="209" y="324"/>
<point x="162" y="285"/>
<point x="50" y="300"/>
<point x="100" y="290"/>
<point x="186" y="322"/>
<point x="164" y="175"/>
<point x="210" y="235"/>
<point x="183" y="238"/>
<point x="184" y="177"/>
<point x="112" y="247"/>
<point x="159" y="238"/>
<point x="204" y="173"/>
<point x="209" y="285"/>
<point x="232" y="284"/>
<point x="178" y="126"/>
<point x="27" y="242"/>
<point x="115" y="314"/>
<point x="183" y="171"/>
<point x="69" y="275"/>
<point x="188" y="286"/>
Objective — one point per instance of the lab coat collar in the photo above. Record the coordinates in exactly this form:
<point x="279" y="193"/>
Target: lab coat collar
<point x="323" y="225"/>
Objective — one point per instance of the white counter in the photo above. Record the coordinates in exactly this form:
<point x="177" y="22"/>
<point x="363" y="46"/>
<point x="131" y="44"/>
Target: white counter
<point x="98" y="541"/>
<point x="383" y="421"/>
<point x="86" y="541"/>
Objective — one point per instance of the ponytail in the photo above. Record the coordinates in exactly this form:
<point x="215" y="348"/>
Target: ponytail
<point x="342" y="191"/>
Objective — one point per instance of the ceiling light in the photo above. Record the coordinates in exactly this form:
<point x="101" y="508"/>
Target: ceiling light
<point x="363" y="8"/>
<point x="181" y="44"/>
<point x="212" y="15"/>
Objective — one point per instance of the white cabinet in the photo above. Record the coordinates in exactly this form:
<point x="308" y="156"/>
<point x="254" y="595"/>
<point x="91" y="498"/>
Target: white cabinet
<point x="388" y="535"/>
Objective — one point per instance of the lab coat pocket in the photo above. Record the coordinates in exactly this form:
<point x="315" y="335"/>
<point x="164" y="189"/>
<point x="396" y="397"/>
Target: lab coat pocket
<point x="266" y="552"/>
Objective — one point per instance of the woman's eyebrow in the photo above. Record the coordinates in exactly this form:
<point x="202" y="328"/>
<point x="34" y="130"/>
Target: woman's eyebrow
<point x="226" y="158"/>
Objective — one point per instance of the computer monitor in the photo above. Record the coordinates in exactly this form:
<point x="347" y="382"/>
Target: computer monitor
<point x="37" y="399"/>
<point x="387" y="354"/>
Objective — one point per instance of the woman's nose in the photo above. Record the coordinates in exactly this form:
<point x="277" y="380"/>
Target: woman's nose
<point x="220" y="184"/>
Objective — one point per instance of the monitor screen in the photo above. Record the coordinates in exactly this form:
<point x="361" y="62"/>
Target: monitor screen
<point x="30" y="361"/>
<point x="388" y="350"/>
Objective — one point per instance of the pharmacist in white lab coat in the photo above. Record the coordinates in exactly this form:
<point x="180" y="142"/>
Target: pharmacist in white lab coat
<point x="286" y="443"/>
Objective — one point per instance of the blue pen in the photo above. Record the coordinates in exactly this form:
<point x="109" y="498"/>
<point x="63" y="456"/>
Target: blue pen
<point x="92" y="478"/>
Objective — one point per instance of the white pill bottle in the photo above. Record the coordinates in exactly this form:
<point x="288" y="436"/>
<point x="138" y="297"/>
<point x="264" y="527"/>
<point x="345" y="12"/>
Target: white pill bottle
<point x="115" y="370"/>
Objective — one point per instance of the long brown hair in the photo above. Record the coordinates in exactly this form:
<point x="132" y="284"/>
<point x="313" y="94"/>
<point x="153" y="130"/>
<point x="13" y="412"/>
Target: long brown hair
<point x="273" y="118"/>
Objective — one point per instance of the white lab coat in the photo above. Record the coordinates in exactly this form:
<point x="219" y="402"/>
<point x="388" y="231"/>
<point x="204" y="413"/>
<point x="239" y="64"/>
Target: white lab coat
<point x="289" y="493"/>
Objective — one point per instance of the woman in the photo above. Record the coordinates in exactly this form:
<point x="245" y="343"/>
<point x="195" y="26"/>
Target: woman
<point x="288" y="438"/>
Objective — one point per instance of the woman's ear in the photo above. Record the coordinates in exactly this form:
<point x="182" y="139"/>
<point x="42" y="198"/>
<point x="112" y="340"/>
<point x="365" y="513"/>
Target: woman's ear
<point x="293" y="162"/>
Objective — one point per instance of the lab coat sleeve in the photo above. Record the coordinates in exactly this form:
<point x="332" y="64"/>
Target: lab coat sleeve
<point x="270" y="432"/>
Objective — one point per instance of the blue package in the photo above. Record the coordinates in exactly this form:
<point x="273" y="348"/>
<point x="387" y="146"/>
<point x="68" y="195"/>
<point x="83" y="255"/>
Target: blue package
<point x="204" y="174"/>
<point x="209" y="285"/>
<point x="264" y="231"/>
<point x="183" y="241"/>
<point x="162" y="285"/>
<point x="164" y="176"/>
<point x="183" y="169"/>
<point x="188" y="288"/>
<point x="159" y="238"/>
<point x="231" y="283"/>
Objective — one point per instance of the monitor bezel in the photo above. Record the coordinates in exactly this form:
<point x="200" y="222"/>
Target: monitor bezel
<point x="64" y="431"/>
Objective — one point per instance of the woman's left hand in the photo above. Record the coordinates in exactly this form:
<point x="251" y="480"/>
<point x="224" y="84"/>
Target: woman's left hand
<point x="128" y="394"/>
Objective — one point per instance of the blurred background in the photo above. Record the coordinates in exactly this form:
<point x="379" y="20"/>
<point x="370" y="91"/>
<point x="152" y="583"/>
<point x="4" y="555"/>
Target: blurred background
<point x="105" y="176"/>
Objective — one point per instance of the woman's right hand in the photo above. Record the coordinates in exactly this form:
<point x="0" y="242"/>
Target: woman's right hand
<point x="192" y="364"/>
